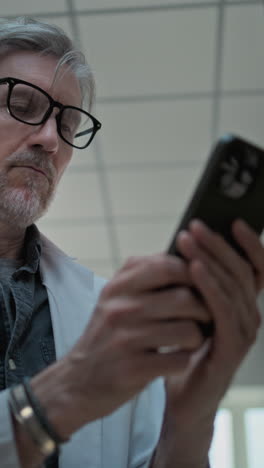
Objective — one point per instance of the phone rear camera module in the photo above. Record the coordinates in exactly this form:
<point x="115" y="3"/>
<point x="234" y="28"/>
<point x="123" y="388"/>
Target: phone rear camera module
<point x="237" y="174"/>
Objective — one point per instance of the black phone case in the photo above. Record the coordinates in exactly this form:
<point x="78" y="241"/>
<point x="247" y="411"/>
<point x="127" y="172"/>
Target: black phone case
<point x="231" y="187"/>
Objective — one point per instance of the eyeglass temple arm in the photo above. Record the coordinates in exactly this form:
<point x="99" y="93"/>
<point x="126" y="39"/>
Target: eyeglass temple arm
<point x="85" y="132"/>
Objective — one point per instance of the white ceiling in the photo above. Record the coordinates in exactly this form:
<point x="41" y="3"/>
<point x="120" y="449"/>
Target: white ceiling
<point x="171" y="78"/>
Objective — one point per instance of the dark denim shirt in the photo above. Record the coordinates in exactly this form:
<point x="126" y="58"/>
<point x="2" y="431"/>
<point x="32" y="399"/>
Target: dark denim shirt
<point x="26" y="335"/>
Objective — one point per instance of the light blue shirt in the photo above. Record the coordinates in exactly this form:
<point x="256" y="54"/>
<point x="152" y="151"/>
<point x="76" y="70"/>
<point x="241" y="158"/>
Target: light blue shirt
<point x="127" y="437"/>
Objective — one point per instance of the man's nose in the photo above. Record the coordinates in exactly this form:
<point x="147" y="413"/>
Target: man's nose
<point x="46" y="135"/>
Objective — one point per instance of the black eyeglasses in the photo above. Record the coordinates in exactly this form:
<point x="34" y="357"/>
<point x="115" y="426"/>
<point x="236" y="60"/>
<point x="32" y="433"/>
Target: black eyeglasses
<point x="32" y="105"/>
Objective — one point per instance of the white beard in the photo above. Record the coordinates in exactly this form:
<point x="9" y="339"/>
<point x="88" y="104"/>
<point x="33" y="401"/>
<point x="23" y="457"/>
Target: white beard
<point x="24" y="204"/>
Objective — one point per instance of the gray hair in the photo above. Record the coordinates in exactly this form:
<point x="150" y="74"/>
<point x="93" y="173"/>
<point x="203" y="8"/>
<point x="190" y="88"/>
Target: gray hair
<point x="28" y="34"/>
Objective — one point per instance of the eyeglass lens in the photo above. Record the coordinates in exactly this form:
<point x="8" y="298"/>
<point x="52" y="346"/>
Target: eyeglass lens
<point x="29" y="105"/>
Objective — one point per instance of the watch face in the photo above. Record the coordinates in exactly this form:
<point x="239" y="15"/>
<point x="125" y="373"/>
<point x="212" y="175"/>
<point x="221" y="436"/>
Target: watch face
<point x="237" y="173"/>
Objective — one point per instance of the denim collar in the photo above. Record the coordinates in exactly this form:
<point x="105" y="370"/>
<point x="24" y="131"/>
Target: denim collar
<point x="32" y="252"/>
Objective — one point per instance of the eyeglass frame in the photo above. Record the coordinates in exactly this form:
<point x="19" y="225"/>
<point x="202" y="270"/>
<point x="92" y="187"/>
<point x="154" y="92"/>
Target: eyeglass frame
<point x="11" y="81"/>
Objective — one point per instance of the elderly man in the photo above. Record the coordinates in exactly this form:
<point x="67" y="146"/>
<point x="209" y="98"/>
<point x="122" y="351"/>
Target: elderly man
<point x="84" y="377"/>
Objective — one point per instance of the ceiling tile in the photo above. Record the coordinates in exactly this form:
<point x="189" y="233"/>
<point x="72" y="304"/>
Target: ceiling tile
<point x="95" y="4"/>
<point x="78" y="197"/>
<point x="29" y="7"/>
<point x="147" y="192"/>
<point x="145" y="238"/>
<point x="156" y="131"/>
<point x="83" y="242"/>
<point x="243" y="116"/>
<point x="62" y="21"/>
<point x="243" y="59"/>
<point x="151" y="53"/>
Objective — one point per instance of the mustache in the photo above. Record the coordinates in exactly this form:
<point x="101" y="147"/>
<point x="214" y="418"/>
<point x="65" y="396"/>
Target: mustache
<point x="38" y="158"/>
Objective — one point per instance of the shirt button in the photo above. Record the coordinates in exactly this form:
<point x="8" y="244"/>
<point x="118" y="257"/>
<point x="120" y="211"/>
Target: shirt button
<point x="12" y="364"/>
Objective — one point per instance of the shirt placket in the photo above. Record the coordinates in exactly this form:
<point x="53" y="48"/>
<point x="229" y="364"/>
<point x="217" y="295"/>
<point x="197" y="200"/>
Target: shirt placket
<point x="22" y="300"/>
<point x="5" y="335"/>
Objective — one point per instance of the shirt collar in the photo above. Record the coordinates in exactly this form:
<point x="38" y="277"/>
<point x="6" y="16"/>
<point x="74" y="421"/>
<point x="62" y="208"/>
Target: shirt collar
<point x="32" y="251"/>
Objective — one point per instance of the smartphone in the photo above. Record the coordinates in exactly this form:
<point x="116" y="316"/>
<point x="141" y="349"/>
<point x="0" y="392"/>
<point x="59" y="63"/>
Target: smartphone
<point x="231" y="187"/>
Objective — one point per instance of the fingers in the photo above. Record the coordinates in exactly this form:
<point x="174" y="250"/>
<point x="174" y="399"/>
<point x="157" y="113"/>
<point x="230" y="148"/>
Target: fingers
<point x="251" y="244"/>
<point x="218" y="248"/>
<point x="237" y="270"/>
<point x="229" y="314"/>
<point x="158" y="364"/>
<point x="175" y="303"/>
<point x="164" y="305"/>
<point x="231" y="277"/>
<point x="182" y="335"/>
<point x="148" y="273"/>
<point x="191" y="249"/>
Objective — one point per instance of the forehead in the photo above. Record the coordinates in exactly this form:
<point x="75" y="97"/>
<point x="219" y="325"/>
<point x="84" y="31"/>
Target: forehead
<point x="40" y="70"/>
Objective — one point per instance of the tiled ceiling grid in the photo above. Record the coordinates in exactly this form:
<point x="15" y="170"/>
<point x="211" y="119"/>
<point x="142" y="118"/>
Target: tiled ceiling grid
<point x="171" y="77"/>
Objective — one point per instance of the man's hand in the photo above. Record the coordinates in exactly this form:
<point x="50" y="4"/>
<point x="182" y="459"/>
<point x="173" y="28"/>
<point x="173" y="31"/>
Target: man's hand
<point x="139" y="311"/>
<point x="149" y="305"/>
<point x="229" y="285"/>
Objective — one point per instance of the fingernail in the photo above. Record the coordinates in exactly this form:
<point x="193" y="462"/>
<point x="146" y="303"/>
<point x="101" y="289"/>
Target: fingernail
<point x="182" y="234"/>
<point x="241" y="224"/>
<point x="197" y="223"/>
